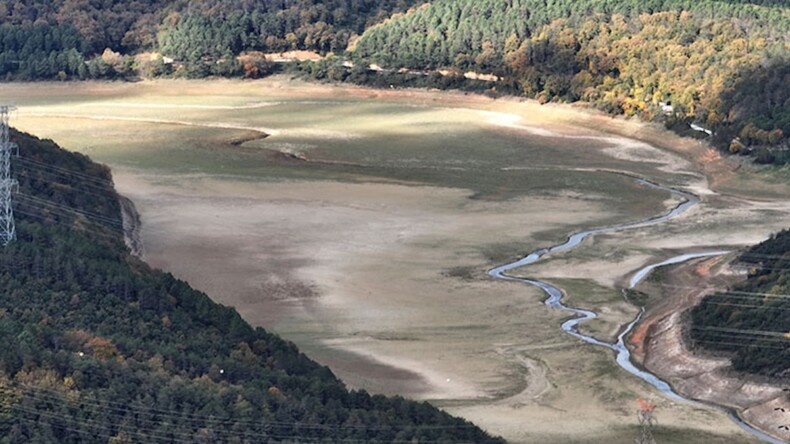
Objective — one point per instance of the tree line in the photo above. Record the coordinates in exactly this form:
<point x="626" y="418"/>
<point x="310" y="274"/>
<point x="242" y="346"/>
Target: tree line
<point x="720" y="64"/>
<point x="99" y="40"/>
<point x="130" y="26"/>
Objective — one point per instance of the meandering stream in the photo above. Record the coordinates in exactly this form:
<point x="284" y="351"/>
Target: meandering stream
<point x="623" y="354"/>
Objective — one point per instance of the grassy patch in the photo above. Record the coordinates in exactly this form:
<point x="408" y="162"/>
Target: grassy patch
<point x="587" y="293"/>
<point x="466" y="273"/>
<point x="767" y="182"/>
<point x="636" y="297"/>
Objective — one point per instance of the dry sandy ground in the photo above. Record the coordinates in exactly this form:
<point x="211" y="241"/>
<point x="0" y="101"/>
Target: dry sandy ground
<point x="360" y="267"/>
<point x="721" y="221"/>
<point x="386" y="283"/>
<point x="357" y="275"/>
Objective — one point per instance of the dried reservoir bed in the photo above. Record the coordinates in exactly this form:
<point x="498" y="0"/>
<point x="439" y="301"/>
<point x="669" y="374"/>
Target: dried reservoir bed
<point x="360" y="223"/>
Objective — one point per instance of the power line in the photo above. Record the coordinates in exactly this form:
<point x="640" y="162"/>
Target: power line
<point x="64" y="210"/>
<point x="85" y="192"/>
<point x="47" y="394"/>
<point x="71" y="226"/>
<point x="175" y="430"/>
<point x="737" y="294"/>
<point x="88" y="214"/>
<point x="765" y="299"/>
<point x="761" y="267"/>
<point x="65" y="213"/>
<point x="173" y="414"/>
<point x="104" y="191"/>
<point x="743" y="336"/>
<point x="773" y="269"/>
<point x="762" y="255"/>
<point x="744" y="333"/>
<point x="720" y="292"/>
<point x="739" y="344"/>
<point x="750" y="331"/>
<point x="744" y="340"/>
<point x="92" y="425"/>
<point x="761" y="307"/>
<point x="108" y="233"/>
<point x="66" y="171"/>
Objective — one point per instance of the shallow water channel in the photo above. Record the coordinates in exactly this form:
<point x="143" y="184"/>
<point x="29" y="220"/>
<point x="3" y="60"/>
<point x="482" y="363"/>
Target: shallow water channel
<point x="623" y="354"/>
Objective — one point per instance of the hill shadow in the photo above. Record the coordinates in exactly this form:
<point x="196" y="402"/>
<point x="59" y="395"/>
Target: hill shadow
<point x="757" y="109"/>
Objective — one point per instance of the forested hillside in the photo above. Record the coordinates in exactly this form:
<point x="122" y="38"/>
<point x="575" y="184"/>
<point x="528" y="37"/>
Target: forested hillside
<point x="751" y="322"/>
<point x="719" y="64"/>
<point x="191" y="31"/>
<point x="723" y="64"/>
<point x="97" y="347"/>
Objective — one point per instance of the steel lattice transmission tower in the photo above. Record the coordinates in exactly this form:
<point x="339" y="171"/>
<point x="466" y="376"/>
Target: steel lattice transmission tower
<point x="646" y="423"/>
<point x="7" y="184"/>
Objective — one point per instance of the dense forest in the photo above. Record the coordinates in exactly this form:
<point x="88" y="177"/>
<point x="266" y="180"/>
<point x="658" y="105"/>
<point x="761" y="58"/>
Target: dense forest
<point x="131" y="25"/>
<point x="197" y="33"/>
<point x="98" y="347"/>
<point x="751" y="321"/>
<point x="723" y="65"/>
<point x="216" y="28"/>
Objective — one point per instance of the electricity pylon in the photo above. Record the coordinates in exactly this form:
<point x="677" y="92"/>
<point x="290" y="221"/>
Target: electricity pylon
<point x="646" y="423"/>
<point x="7" y="184"/>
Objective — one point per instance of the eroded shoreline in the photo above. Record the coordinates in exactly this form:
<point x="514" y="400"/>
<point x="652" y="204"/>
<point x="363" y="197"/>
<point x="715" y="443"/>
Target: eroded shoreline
<point x="662" y="349"/>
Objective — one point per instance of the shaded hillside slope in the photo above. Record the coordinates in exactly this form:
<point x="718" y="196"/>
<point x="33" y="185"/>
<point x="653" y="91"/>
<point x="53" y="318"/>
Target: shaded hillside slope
<point x="97" y="347"/>
<point x="751" y="321"/>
